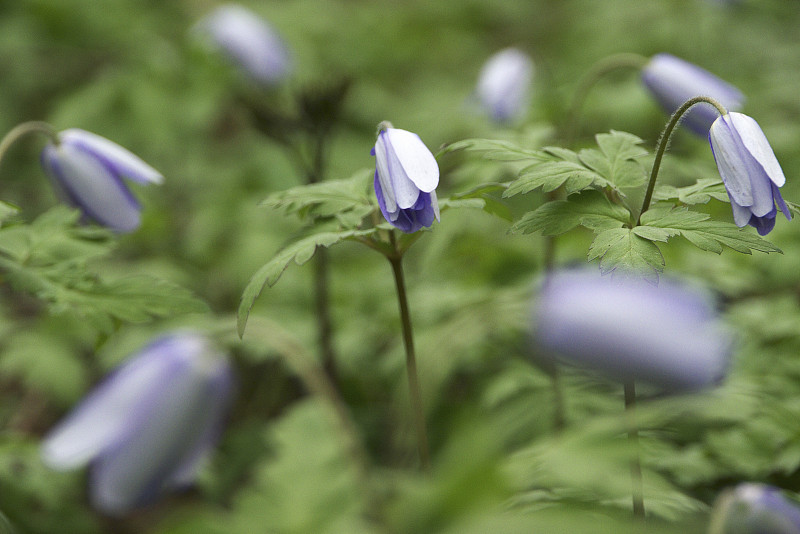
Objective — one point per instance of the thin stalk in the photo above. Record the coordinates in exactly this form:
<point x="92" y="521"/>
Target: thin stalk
<point x="595" y="74"/>
<point x="26" y="128"/>
<point x="411" y="360"/>
<point x="559" y="413"/>
<point x="637" y="490"/>
<point x="663" y="143"/>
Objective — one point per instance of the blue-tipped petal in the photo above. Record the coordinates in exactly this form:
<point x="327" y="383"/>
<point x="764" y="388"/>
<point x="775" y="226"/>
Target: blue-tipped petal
<point x="117" y="159"/>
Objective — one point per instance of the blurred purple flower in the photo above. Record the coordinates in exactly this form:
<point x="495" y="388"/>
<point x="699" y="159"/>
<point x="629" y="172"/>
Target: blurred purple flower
<point x="749" y="170"/>
<point x="754" y="509"/>
<point x="149" y="426"/>
<point x="249" y="41"/>
<point x="666" y="335"/>
<point x="87" y="171"/>
<point x="504" y="84"/>
<point x="673" y="81"/>
<point x="406" y="176"/>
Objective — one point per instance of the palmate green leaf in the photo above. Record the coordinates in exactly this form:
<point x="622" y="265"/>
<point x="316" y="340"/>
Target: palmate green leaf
<point x="590" y="209"/>
<point x="665" y="220"/>
<point x="493" y="149"/>
<point x="480" y="197"/>
<point x="298" y="252"/>
<point x="346" y="200"/>
<point x="698" y="193"/>
<point x="622" y="252"/>
<point x="614" y="165"/>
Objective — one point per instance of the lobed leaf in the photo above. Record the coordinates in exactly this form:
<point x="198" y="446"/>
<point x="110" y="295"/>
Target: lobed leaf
<point x="590" y="209"/>
<point x="622" y="252"/>
<point x="698" y="193"/>
<point x="493" y="149"/>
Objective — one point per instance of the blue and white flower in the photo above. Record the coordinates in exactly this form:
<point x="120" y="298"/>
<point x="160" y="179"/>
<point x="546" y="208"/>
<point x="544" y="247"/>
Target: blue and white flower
<point x="673" y="81"/>
<point x="752" y="508"/>
<point x="406" y="176"/>
<point x="504" y="85"/>
<point x="87" y="172"/>
<point x="249" y="41"/>
<point x="149" y="426"/>
<point x="750" y="171"/>
<point x="667" y="335"/>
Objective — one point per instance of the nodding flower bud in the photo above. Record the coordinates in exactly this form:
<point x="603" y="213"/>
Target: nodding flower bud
<point x="666" y="335"/>
<point x="749" y="170"/>
<point x="504" y="84"/>
<point x="673" y="81"/>
<point x="249" y="42"/>
<point x="754" y="509"/>
<point x="149" y="426"/>
<point x="406" y="176"/>
<point x="87" y="172"/>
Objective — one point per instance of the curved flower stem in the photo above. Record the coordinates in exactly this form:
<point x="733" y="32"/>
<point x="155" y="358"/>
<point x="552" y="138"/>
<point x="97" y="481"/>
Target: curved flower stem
<point x="633" y="437"/>
<point x="21" y="130"/>
<point x="595" y="74"/>
<point x="396" y="261"/>
<point x="663" y="142"/>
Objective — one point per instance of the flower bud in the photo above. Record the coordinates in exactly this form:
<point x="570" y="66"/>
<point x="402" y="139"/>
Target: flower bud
<point x="666" y="335"/>
<point x="149" y="426"/>
<point x="87" y="171"/>
<point x="504" y="85"/>
<point x="406" y="176"/>
<point x="249" y="42"/>
<point x="673" y="81"/>
<point x="749" y="170"/>
<point x="754" y="509"/>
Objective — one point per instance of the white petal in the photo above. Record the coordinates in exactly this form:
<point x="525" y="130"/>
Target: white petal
<point x="435" y="204"/>
<point x="403" y="192"/>
<point x="125" y="162"/>
<point x="741" y="216"/>
<point x="728" y="153"/>
<point x="418" y="162"/>
<point x="103" y="416"/>
<point x="756" y="143"/>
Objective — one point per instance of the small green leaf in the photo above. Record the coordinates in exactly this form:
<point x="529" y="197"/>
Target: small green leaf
<point x="698" y="193"/>
<point x="702" y="232"/>
<point x="298" y="252"/>
<point x="493" y="149"/>
<point x="590" y="209"/>
<point x="623" y="252"/>
<point x="346" y="200"/>
<point x="480" y="197"/>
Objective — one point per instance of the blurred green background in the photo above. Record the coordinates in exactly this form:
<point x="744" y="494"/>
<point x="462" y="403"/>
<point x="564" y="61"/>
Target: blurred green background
<point x="134" y="72"/>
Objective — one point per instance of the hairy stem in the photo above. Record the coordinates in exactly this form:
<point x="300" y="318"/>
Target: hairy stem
<point x="663" y="143"/>
<point x="411" y="361"/>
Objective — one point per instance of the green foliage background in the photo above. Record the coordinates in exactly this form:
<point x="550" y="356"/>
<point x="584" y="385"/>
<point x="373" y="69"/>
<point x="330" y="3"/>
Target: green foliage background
<point x="77" y="300"/>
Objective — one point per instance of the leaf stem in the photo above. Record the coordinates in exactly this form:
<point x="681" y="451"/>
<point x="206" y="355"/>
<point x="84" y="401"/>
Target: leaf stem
<point x="26" y="128"/>
<point x="633" y="438"/>
<point x="663" y="142"/>
<point x="595" y="74"/>
<point x="396" y="260"/>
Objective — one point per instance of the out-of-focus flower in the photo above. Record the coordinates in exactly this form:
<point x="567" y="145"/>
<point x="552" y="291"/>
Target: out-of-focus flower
<point x="666" y="335"/>
<point x="749" y="170"/>
<point x="249" y="42"/>
<point x="504" y="84"/>
<point x="754" y="509"/>
<point x="87" y="171"/>
<point x="673" y="81"/>
<point x="406" y="176"/>
<point x="150" y="426"/>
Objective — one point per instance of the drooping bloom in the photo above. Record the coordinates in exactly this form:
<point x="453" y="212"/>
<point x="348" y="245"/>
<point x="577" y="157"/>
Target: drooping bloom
<point x="754" y="509"/>
<point x="666" y="335"/>
<point x="504" y="84"/>
<point x="87" y="172"/>
<point x="749" y="170"/>
<point x="249" y="41"/>
<point x="673" y="81"/>
<point x="149" y="426"/>
<point x="406" y="176"/>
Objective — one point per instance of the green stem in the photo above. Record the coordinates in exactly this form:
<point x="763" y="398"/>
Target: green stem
<point x="396" y="261"/>
<point x="26" y="128"/>
<point x="595" y="74"/>
<point x="663" y="143"/>
<point x="633" y="437"/>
